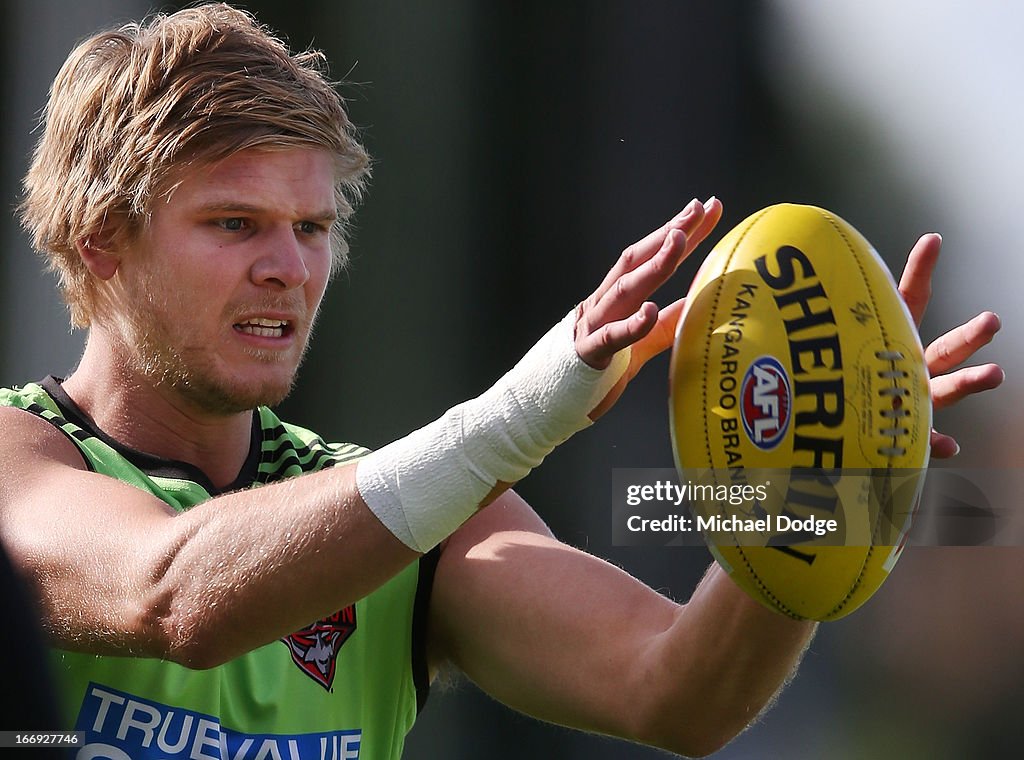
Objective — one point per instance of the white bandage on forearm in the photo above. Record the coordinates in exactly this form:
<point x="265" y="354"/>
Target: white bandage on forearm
<point x="424" y="486"/>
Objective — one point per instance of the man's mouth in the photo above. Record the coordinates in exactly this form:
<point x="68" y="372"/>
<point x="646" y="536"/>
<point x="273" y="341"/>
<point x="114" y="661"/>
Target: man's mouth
<point x="264" y="328"/>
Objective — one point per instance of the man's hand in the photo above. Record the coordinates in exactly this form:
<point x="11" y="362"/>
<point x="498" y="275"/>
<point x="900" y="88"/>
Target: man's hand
<point x="951" y="349"/>
<point x="618" y="314"/>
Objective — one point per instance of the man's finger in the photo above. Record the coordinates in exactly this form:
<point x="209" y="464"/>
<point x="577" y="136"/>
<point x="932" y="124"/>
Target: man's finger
<point x="916" y="281"/>
<point x="943" y="446"/>
<point x="597" y="348"/>
<point x="627" y="293"/>
<point x="712" y="215"/>
<point x="948" y="389"/>
<point x="661" y="336"/>
<point x="635" y="255"/>
<point x="959" y="344"/>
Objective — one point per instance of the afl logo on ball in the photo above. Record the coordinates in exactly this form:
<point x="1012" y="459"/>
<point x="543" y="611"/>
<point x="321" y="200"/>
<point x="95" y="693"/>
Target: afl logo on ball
<point x="766" y="403"/>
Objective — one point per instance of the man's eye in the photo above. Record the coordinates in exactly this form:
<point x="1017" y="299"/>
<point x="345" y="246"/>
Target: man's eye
<point x="233" y="224"/>
<point x="309" y="228"/>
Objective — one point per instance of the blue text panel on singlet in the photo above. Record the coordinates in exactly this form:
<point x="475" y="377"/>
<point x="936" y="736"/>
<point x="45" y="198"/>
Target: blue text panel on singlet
<point x="121" y="726"/>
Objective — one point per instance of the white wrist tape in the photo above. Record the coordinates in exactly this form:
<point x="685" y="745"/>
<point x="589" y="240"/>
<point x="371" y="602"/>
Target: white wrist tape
<point x="424" y="486"/>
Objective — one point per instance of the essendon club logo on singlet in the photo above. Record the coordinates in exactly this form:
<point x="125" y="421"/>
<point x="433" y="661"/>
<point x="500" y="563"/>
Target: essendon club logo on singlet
<point x="315" y="648"/>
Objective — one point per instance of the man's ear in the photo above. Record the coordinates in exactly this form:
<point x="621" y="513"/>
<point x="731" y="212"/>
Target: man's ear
<point x="98" y="255"/>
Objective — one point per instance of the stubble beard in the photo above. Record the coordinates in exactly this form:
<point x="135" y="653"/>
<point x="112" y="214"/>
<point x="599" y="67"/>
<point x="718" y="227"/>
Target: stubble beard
<point x="167" y="361"/>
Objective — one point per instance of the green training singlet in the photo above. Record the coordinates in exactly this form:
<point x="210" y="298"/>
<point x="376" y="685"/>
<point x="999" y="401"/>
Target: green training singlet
<point x="345" y="687"/>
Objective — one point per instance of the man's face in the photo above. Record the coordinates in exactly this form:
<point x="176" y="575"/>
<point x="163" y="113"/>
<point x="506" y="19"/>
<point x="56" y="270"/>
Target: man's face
<point x="217" y="296"/>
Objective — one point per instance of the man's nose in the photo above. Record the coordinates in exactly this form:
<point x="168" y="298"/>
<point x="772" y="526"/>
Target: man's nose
<point x="281" y="263"/>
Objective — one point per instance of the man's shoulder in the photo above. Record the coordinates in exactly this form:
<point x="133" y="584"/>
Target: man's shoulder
<point x="43" y="414"/>
<point x="31" y="422"/>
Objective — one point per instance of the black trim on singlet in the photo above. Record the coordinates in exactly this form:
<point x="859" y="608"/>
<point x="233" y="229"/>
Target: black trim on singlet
<point x="292" y="455"/>
<point x="58" y="423"/>
<point x="420" y="614"/>
<point x="149" y="463"/>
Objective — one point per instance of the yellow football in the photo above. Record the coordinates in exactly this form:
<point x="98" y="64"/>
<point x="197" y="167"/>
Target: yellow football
<point x="798" y="382"/>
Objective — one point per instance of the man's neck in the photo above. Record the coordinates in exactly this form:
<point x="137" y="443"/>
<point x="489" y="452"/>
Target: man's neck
<point x="157" y="420"/>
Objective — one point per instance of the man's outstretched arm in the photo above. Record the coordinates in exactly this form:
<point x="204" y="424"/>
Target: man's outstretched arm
<point x="568" y="638"/>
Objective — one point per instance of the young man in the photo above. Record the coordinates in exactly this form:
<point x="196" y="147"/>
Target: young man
<point x="190" y="188"/>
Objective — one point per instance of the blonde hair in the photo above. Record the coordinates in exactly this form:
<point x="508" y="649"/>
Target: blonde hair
<point x="131" y="108"/>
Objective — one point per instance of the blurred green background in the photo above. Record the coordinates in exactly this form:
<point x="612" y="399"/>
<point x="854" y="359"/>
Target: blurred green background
<point x="518" y="147"/>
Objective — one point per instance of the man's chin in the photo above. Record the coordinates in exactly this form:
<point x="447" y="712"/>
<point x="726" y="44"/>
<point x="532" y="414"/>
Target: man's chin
<point x="227" y="398"/>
